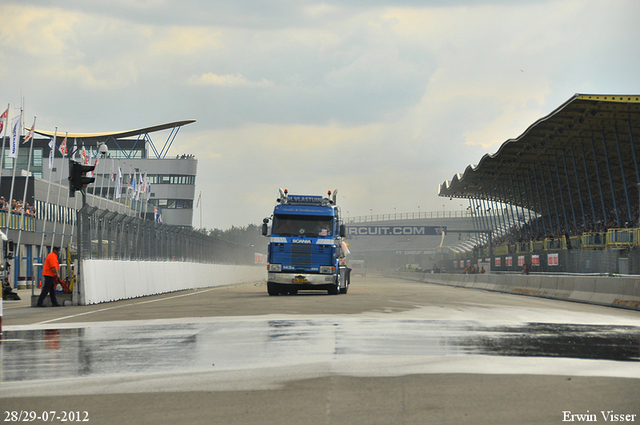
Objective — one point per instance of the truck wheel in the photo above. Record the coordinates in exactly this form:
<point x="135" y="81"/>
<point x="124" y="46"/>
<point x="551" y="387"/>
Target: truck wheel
<point x="273" y="288"/>
<point x="335" y="290"/>
<point x="347" y="283"/>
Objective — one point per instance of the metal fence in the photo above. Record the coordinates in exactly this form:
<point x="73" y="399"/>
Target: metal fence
<point x="407" y="216"/>
<point x="104" y="234"/>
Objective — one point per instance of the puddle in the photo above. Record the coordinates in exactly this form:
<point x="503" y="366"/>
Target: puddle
<point x="233" y="345"/>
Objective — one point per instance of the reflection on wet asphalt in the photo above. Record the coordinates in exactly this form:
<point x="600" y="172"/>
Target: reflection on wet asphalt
<point x="125" y="349"/>
<point x="552" y="340"/>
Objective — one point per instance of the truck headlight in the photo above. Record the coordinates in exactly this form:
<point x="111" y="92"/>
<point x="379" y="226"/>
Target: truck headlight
<point x="275" y="267"/>
<point x="326" y="269"/>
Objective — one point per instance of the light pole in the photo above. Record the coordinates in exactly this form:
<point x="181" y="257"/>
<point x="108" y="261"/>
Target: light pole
<point x="638" y="204"/>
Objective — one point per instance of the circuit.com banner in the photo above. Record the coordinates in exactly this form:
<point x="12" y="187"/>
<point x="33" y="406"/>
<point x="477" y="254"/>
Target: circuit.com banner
<point x="395" y="230"/>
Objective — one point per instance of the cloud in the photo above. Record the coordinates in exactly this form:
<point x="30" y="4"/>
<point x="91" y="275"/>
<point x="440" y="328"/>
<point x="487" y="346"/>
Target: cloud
<point x="227" y="80"/>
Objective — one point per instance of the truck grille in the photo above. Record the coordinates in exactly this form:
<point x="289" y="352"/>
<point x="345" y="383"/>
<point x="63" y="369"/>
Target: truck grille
<point x="301" y="256"/>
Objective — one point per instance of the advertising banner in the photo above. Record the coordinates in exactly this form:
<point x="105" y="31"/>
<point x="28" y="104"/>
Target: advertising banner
<point x="396" y="230"/>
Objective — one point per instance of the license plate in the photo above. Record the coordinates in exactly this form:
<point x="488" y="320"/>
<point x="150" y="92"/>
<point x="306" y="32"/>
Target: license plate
<point x="300" y="280"/>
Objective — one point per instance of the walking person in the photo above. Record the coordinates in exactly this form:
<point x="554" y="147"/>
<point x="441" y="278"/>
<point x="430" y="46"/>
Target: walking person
<point x="50" y="275"/>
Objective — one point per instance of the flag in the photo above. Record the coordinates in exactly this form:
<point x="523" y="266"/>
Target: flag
<point x="63" y="147"/>
<point x="73" y="156"/>
<point x="15" y="136"/>
<point x="198" y="202"/>
<point x="113" y="175"/>
<point x="134" y="187"/>
<point x="141" y="188"/>
<point x="52" y="148"/>
<point x="3" y="119"/>
<point x="30" y="133"/>
<point x="119" y="184"/>
<point x="143" y="183"/>
<point x="85" y="157"/>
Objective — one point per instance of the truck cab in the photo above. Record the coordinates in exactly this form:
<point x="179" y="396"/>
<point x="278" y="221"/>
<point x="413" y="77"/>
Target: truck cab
<point x="306" y="248"/>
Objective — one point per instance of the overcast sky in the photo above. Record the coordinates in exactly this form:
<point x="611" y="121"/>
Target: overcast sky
<point x="382" y="100"/>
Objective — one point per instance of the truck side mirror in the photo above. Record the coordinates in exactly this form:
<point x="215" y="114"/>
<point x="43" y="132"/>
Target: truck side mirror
<point x="343" y="231"/>
<point x="264" y="229"/>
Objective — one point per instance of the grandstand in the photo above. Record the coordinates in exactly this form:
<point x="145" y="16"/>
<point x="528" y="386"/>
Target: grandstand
<point x="563" y="196"/>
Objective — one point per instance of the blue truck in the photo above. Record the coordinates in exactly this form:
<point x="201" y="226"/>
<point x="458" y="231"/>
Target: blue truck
<point x="306" y="247"/>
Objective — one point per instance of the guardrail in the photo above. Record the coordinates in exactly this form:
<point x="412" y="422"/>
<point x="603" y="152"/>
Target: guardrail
<point x="407" y="216"/>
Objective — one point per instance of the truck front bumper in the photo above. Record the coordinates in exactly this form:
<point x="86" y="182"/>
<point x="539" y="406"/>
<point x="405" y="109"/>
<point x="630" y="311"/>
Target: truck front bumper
<point x="301" y="279"/>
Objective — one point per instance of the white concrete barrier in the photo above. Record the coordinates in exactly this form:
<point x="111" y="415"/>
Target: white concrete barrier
<point x="106" y="280"/>
<point x="618" y="291"/>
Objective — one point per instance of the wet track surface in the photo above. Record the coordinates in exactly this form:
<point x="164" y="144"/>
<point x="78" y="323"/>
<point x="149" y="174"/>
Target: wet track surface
<point x="224" y="344"/>
<point x="387" y="352"/>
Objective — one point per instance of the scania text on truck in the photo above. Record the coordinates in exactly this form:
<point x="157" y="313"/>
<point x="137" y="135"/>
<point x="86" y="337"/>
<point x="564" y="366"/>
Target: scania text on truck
<point x="306" y="249"/>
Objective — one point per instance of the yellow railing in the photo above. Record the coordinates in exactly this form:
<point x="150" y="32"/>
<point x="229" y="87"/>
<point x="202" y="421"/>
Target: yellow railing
<point x="594" y="240"/>
<point x="12" y="221"/>
<point x="554" y="244"/>
<point x="537" y="246"/>
<point x="613" y="238"/>
<point x="620" y="237"/>
<point x="501" y="250"/>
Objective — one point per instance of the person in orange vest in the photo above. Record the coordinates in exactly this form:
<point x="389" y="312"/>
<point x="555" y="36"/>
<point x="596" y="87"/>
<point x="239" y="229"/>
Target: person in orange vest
<point x="482" y="270"/>
<point x="50" y="274"/>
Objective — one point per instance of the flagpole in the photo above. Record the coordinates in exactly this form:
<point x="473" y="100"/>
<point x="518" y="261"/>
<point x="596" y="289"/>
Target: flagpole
<point x="46" y="205"/>
<point x="64" y="222"/>
<point x="6" y="124"/>
<point x="119" y="187"/>
<point x="111" y="175"/>
<point x="13" y="154"/>
<point x="24" y="195"/>
<point x="147" y="189"/>
<point x="199" y="201"/>
<point x="55" y="221"/>
<point x="131" y="212"/>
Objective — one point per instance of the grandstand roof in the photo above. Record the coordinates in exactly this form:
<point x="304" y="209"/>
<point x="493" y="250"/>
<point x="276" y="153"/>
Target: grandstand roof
<point x="586" y="146"/>
<point x="119" y="134"/>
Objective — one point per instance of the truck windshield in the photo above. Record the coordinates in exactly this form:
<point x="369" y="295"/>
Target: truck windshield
<point x="302" y="225"/>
